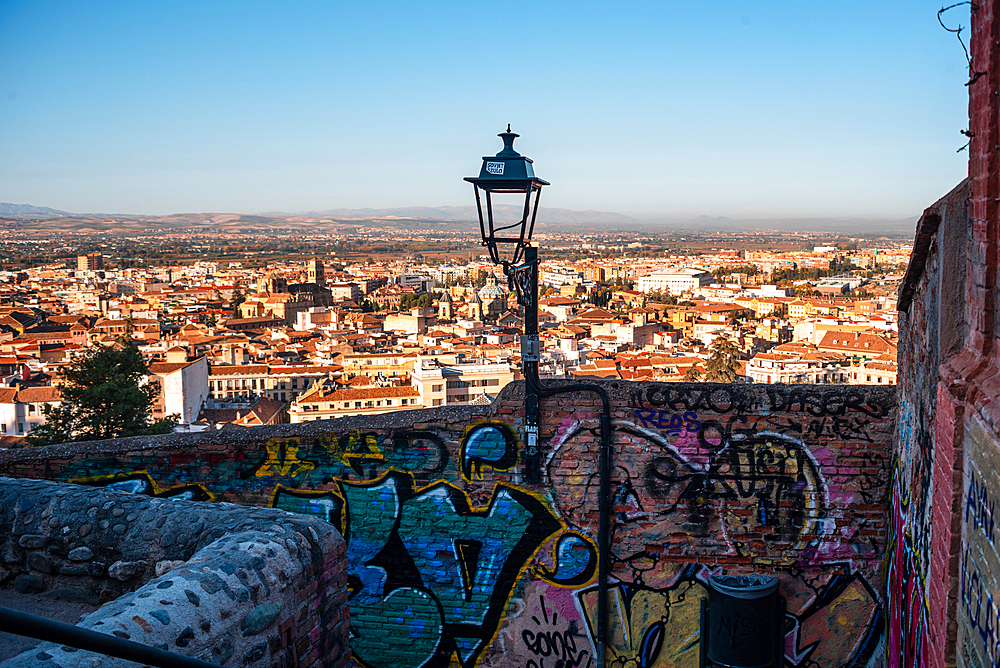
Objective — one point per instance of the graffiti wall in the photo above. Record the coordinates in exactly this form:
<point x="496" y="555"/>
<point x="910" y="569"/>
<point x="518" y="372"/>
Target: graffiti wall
<point x="455" y="560"/>
<point x="925" y="489"/>
<point x="979" y="562"/>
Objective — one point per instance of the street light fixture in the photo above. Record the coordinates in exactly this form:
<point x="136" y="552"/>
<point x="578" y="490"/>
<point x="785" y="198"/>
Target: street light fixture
<point x="509" y="172"/>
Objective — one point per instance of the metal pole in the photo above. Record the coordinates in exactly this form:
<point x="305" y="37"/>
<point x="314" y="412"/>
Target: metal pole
<point x="40" y="628"/>
<point x="530" y="353"/>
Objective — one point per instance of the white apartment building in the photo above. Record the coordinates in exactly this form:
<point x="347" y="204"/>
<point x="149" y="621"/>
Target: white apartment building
<point x="675" y="283"/>
<point x="798" y="367"/>
<point x="283" y="382"/>
<point x="21" y="408"/>
<point x="418" y="282"/>
<point x="557" y="277"/>
<point x="183" y="385"/>
<point x="456" y="382"/>
<point x="323" y="403"/>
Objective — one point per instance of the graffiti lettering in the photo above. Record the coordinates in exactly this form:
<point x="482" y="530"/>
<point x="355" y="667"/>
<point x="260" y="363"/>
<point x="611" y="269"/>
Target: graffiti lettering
<point x="682" y="398"/>
<point x="140" y="482"/>
<point x="282" y="459"/>
<point x="672" y="423"/>
<point x="432" y="573"/>
<point x="982" y="615"/>
<point x="557" y="646"/>
<point x="904" y="590"/>
<point x="980" y="507"/>
<point x="818" y="403"/>
<point x="774" y="472"/>
<point x="491" y="443"/>
<point x="740" y="625"/>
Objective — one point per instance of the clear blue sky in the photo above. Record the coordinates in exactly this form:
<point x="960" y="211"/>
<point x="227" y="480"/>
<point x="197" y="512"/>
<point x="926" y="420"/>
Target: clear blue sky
<point x="652" y="109"/>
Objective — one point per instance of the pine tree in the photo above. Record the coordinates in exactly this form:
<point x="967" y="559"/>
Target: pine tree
<point x="722" y="365"/>
<point x="104" y="397"/>
<point x="692" y="375"/>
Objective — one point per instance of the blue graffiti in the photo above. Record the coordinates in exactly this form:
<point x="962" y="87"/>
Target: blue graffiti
<point x="325" y="505"/>
<point x="492" y="443"/>
<point x="981" y="507"/>
<point x="431" y="575"/>
<point x="575" y="561"/>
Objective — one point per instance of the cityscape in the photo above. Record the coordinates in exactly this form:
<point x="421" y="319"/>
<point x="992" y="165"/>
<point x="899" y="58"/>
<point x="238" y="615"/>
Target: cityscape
<point x="278" y="389"/>
<point x="241" y="330"/>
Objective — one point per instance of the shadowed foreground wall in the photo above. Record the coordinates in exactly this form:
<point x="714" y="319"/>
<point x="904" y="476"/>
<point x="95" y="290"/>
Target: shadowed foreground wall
<point x="454" y="559"/>
<point x="252" y="587"/>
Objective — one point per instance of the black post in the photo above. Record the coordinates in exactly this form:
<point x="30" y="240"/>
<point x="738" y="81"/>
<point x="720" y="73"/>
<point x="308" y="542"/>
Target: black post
<point x="530" y="350"/>
<point x="40" y="628"/>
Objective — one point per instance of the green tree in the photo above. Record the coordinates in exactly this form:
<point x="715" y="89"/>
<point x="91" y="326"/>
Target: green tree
<point x="722" y="366"/>
<point x="238" y="298"/>
<point x="692" y="375"/>
<point x="104" y="397"/>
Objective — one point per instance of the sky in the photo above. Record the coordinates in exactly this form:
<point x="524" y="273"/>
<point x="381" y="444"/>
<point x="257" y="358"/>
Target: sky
<point x="658" y="110"/>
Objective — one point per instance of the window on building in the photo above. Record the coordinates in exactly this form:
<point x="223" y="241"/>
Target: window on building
<point x="31" y="408"/>
<point x="295" y="383"/>
<point x="436" y="388"/>
<point x="437" y="402"/>
<point x="357" y="404"/>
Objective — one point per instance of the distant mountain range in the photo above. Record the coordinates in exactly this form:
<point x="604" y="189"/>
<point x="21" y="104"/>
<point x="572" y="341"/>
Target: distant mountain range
<point x="468" y="213"/>
<point x="7" y="209"/>
<point x="38" y="219"/>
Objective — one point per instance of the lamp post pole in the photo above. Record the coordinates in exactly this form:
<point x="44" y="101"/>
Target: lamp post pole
<point x="510" y="173"/>
<point x="530" y="352"/>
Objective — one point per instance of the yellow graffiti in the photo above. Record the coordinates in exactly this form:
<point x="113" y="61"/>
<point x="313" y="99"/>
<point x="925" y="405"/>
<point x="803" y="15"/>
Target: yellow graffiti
<point x="353" y="449"/>
<point x="283" y="459"/>
<point x="663" y="624"/>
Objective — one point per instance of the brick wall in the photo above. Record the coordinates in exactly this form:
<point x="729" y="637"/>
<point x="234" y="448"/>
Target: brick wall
<point x="948" y="448"/>
<point x="455" y="559"/>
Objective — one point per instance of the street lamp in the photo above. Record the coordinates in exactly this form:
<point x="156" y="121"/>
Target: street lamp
<point x="509" y="172"/>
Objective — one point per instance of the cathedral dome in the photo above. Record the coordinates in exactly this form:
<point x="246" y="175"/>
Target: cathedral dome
<point x="492" y="291"/>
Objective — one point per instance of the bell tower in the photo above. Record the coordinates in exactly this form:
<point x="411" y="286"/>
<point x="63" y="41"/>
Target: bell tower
<point x="316" y="272"/>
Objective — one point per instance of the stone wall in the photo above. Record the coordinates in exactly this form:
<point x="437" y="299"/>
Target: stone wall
<point x="455" y="559"/>
<point x="226" y="584"/>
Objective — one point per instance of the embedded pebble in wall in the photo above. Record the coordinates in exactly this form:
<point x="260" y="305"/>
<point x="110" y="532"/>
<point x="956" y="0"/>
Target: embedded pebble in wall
<point x="234" y="576"/>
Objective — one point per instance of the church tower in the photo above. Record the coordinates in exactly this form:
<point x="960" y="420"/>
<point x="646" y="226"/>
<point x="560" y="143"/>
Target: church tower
<point x="475" y="307"/>
<point x="316" y="272"/>
<point x="445" y="306"/>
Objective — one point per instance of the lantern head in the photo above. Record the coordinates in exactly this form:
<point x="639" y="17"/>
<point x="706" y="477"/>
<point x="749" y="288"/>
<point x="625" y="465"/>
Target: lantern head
<point x="508" y="172"/>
